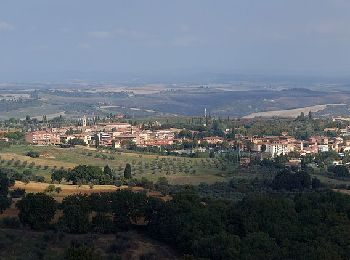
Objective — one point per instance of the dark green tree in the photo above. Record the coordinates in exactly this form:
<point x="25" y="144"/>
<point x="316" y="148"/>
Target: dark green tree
<point x="36" y="210"/>
<point x="76" y="210"/>
<point x="5" y="183"/>
<point x="81" y="251"/>
<point x="127" y="171"/>
<point x="107" y="170"/>
<point x="340" y="171"/>
<point x="58" y="175"/>
<point x="5" y="202"/>
<point x="84" y="174"/>
<point x="128" y="207"/>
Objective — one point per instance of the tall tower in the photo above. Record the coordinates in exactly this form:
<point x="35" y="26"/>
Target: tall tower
<point x="205" y="116"/>
<point x="84" y="121"/>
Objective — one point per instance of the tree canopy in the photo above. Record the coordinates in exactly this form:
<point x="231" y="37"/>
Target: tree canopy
<point x="36" y="210"/>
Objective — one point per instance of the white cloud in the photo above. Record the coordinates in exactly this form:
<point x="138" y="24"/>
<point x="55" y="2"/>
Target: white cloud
<point x="145" y="37"/>
<point x="330" y="29"/>
<point x="6" y="26"/>
<point x="84" y="45"/>
<point x="101" y="34"/>
<point x="184" y="41"/>
<point x="120" y="33"/>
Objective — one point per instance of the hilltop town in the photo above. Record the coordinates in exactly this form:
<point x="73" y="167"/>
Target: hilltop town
<point x="121" y="134"/>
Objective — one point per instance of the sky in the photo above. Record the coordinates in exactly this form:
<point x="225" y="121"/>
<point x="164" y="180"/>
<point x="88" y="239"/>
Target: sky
<point x="59" y="39"/>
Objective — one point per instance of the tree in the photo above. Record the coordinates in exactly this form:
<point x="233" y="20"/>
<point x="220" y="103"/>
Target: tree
<point x="310" y="115"/>
<point x="76" y="141"/>
<point x="50" y="189"/>
<point x="301" y="117"/>
<point x="58" y="175"/>
<point x="127" y="171"/>
<point x="33" y="154"/>
<point x="97" y="140"/>
<point x="18" y="193"/>
<point x="84" y="174"/>
<point x="36" y="210"/>
<point x="340" y="171"/>
<point x="290" y="181"/>
<point x="107" y="171"/>
<point x="76" y="210"/>
<point x="5" y="203"/>
<point x="79" y="251"/>
<point x="5" y="183"/>
<point x="102" y="223"/>
<point x="316" y="183"/>
<point x="128" y="207"/>
<point x="259" y="246"/>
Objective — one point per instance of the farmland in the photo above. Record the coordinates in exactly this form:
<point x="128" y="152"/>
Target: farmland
<point x="232" y="100"/>
<point x="178" y="170"/>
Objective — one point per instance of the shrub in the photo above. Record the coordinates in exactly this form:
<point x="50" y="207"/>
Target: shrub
<point x="10" y="222"/>
<point x="18" y="193"/>
<point x="33" y="154"/>
<point x="50" y="189"/>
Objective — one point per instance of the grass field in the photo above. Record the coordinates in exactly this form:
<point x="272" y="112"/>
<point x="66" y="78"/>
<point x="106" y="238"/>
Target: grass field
<point x="178" y="170"/>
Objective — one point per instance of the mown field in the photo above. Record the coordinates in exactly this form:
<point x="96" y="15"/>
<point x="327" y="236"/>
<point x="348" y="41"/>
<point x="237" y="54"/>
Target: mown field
<point x="178" y="170"/>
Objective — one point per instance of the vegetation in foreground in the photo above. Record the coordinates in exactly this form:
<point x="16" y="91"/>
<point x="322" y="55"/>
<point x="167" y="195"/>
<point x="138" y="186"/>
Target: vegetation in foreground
<point x="296" y="218"/>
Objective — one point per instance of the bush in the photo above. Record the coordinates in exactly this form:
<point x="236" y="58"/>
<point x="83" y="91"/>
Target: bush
<point x="102" y="224"/>
<point x="27" y="172"/>
<point x="50" y="189"/>
<point x="148" y="256"/>
<point x="38" y="178"/>
<point x="10" y="222"/>
<point x="340" y="171"/>
<point x="18" y="193"/>
<point x="81" y="251"/>
<point x="33" y="154"/>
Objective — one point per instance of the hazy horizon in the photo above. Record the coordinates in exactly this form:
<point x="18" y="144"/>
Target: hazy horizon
<point x="108" y="40"/>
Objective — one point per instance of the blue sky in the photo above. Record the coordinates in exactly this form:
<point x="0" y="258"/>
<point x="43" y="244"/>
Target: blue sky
<point x="40" y="39"/>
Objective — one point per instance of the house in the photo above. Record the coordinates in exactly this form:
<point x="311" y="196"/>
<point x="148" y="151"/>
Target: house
<point x="85" y="137"/>
<point x="277" y="148"/>
<point x="43" y="138"/>
<point x="213" y="140"/>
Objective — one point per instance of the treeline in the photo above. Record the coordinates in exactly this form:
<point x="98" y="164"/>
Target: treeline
<point x="301" y="128"/>
<point x="306" y="226"/>
<point x="26" y="175"/>
<point x="86" y="174"/>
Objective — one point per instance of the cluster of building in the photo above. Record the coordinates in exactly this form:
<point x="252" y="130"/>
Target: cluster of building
<point x="278" y="145"/>
<point x="117" y="134"/>
<point x="106" y="134"/>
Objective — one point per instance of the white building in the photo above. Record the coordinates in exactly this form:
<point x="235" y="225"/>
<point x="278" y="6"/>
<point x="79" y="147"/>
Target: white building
<point x="276" y="149"/>
<point x="323" y="148"/>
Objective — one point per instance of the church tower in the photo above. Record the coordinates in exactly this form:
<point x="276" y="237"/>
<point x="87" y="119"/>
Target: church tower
<point x="84" y="121"/>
